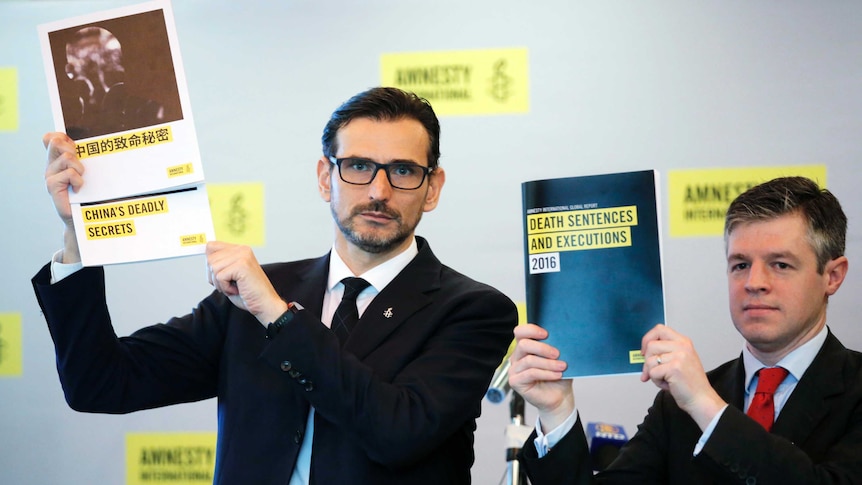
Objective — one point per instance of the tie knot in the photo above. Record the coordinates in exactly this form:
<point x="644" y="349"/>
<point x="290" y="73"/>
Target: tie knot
<point x="352" y="287"/>
<point x="769" y="378"/>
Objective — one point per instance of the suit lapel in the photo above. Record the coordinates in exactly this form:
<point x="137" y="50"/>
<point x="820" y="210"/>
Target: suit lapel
<point x="807" y="405"/>
<point x="406" y="294"/>
<point x="306" y="286"/>
<point x="729" y="381"/>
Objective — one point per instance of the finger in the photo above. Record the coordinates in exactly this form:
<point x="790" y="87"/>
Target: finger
<point x="661" y="337"/>
<point x="62" y="162"/>
<point x="230" y="265"/>
<point x="534" y="368"/>
<point x="59" y="146"/>
<point x="526" y="347"/>
<point x="221" y="274"/>
<point x="530" y="331"/>
<point x="531" y="376"/>
<point x="62" y="181"/>
<point x="214" y="246"/>
<point x="656" y="368"/>
<point x="536" y="361"/>
<point x="210" y="277"/>
<point x="658" y="353"/>
<point x="658" y="332"/>
<point x="220" y="255"/>
<point x="56" y="139"/>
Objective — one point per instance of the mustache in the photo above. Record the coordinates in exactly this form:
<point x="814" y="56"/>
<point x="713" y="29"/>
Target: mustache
<point x="376" y="206"/>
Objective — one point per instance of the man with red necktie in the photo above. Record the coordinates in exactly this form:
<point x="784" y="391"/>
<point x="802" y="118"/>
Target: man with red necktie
<point x="785" y="257"/>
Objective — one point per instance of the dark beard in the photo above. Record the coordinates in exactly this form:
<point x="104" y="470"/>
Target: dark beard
<point x="368" y="243"/>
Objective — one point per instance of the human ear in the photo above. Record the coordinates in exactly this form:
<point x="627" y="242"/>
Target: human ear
<point x="436" y="179"/>
<point x="324" y="178"/>
<point x="835" y="272"/>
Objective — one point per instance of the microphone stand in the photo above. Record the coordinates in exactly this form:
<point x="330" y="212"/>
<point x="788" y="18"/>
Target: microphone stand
<point x="514" y="474"/>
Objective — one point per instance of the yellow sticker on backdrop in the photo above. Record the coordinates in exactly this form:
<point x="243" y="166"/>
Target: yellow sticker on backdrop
<point x="8" y="99"/>
<point x="170" y="458"/>
<point x="10" y="344"/>
<point x="237" y="211"/>
<point x="521" y="306"/>
<point x="469" y="82"/>
<point x="698" y="199"/>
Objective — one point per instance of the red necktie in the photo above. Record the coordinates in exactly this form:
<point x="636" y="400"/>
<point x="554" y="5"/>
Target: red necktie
<point x="762" y="407"/>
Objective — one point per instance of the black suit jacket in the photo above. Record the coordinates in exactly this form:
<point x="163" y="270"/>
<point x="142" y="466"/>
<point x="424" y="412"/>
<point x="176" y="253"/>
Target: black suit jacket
<point x="397" y="405"/>
<point x="817" y="438"/>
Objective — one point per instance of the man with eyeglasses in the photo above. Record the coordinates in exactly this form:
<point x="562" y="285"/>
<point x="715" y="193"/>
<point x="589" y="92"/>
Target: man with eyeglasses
<point x="389" y="395"/>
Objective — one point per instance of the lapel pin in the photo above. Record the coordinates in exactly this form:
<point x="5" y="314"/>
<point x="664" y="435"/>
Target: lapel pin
<point x="388" y="313"/>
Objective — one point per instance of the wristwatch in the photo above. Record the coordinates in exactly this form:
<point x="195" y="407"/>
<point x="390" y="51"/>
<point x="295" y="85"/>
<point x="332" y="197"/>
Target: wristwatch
<point x="273" y="328"/>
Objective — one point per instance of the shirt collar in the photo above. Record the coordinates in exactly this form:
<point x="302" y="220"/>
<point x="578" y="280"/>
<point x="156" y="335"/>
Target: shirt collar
<point x="379" y="276"/>
<point x="796" y="362"/>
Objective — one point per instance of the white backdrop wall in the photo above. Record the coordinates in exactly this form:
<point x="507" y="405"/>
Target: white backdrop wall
<point x="621" y="85"/>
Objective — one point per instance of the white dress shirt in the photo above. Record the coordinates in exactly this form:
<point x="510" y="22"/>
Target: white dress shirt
<point x="379" y="276"/>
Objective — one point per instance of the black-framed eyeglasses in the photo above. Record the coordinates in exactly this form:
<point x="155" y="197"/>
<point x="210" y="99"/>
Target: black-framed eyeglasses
<point x="361" y="171"/>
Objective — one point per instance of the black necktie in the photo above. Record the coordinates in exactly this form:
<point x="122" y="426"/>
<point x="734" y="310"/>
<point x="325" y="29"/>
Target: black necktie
<point x="346" y="315"/>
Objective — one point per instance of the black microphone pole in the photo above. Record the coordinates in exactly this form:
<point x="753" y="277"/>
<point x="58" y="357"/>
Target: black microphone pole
<point x="514" y="474"/>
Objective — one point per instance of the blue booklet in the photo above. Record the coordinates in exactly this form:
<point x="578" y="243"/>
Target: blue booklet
<point x="592" y="247"/>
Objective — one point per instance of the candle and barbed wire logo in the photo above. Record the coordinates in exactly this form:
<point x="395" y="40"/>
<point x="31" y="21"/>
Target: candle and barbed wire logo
<point x="501" y="82"/>
<point x="237" y="217"/>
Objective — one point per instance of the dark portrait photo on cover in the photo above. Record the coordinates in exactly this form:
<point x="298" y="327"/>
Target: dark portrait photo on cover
<point x="115" y="75"/>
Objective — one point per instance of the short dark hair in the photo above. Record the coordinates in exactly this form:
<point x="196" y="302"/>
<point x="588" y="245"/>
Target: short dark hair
<point x="827" y="224"/>
<point x="385" y="104"/>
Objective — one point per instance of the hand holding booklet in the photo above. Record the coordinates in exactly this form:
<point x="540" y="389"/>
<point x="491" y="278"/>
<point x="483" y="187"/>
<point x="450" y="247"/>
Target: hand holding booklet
<point x="592" y="251"/>
<point x="118" y="89"/>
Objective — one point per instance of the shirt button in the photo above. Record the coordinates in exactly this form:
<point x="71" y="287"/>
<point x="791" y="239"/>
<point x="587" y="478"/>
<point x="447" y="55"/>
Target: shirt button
<point x="286" y="365"/>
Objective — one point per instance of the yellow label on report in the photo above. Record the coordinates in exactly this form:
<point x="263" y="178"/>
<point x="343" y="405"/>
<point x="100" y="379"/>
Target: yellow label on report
<point x="110" y="230"/>
<point x="125" y="142"/>
<point x="193" y="239"/>
<point x="178" y="170"/>
<point x="125" y="210"/>
<point x="580" y="230"/>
